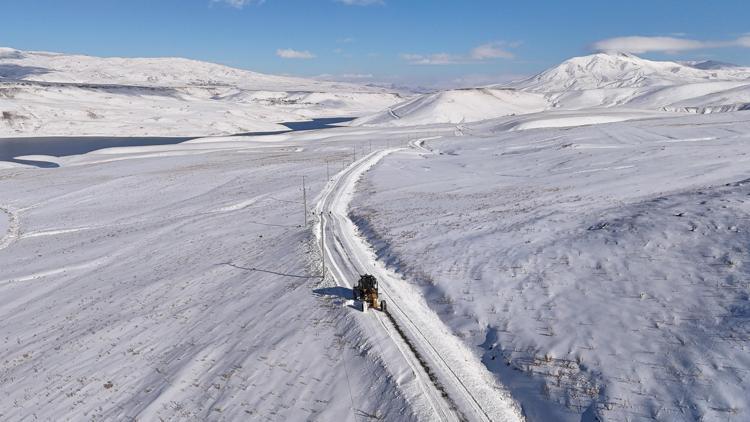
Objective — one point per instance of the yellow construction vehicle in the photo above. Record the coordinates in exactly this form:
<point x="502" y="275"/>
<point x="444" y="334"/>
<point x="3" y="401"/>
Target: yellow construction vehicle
<point x="366" y="291"/>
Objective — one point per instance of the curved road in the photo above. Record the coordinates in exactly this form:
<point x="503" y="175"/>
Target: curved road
<point x="457" y="385"/>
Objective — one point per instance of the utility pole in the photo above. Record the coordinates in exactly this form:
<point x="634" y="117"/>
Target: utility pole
<point x="355" y="152"/>
<point x="304" y="198"/>
<point x="322" y="245"/>
<point x="328" y="172"/>
<point x="370" y="146"/>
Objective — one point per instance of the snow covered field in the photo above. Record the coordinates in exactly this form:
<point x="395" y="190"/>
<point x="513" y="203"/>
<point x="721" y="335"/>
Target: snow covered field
<point x="177" y="282"/>
<point x="597" y="270"/>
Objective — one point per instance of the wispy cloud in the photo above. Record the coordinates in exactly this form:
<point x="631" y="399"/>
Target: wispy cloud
<point x="288" y="53"/>
<point x="361" y="2"/>
<point x="437" y="58"/>
<point x="489" y="51"/>
<point x="239" y="4"/>
<point x="493" y="50"/>
<point x="641" y="44"/>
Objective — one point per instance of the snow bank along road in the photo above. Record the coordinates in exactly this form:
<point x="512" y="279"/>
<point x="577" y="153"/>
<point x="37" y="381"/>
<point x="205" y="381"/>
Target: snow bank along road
<point x="457" y="384"/>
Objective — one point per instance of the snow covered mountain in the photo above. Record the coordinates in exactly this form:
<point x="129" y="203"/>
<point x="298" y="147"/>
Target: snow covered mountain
<point x="594" y="81"/>
<point x="622" y="70"/>
<point x="153" y="72"/>
<point x="46" y="94"/>
<point x="609" y="80"/>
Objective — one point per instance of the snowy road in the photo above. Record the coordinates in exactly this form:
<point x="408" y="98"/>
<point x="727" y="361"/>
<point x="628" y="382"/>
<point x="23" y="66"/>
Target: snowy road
<point x="455" y="382"/>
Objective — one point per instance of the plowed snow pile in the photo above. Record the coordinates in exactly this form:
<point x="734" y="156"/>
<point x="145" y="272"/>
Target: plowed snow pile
<point x="599" y="271"/>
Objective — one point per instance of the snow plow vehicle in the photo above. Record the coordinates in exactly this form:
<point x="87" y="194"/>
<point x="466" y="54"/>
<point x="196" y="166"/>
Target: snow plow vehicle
<point x="366" y="291"/>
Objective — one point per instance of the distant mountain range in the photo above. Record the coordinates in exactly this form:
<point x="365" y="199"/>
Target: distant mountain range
<point x="46" y="94"/>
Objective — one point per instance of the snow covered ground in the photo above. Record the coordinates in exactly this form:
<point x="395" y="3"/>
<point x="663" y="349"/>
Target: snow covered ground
<point x="596" y="270"/>
<point x="179" y="282"/>
<point x="50" y="94"/>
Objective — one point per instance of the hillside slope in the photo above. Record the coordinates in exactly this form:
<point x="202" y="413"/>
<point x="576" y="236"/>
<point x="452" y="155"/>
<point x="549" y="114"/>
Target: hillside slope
<point x="48" y="94"/>
<point x="600" y="271"/>
<point x="458" y="106"/>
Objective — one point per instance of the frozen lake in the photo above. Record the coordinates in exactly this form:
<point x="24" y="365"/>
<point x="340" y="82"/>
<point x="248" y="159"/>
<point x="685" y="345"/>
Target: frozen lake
<point x="10" y="148"/>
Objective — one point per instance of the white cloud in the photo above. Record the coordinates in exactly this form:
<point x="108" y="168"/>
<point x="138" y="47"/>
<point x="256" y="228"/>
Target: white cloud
<point x="288" y="53"/>
<point x="493" y="50"/>
<point x="360" y="2"/>
<point x="488" y="51"/>
<point x="437" y="58"/>
<point x="639" y="44"/>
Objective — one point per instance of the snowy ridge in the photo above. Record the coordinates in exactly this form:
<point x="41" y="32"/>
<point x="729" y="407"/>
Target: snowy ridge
<point x="157" y="72"/>
<point x="622" y="70"/>
<point x="613" y="80"/>
<point x="50" y="94"/>
<point x="458" y="106"/>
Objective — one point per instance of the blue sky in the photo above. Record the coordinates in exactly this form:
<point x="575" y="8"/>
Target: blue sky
<point x="416" y="42"/>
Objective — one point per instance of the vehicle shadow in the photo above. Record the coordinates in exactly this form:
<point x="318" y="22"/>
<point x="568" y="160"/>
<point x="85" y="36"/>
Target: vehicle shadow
<point x="338" y="291"/>
<point x="340" y="295"/>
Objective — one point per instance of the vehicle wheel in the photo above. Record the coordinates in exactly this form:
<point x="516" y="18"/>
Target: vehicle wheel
<point x="383" y="307"/>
